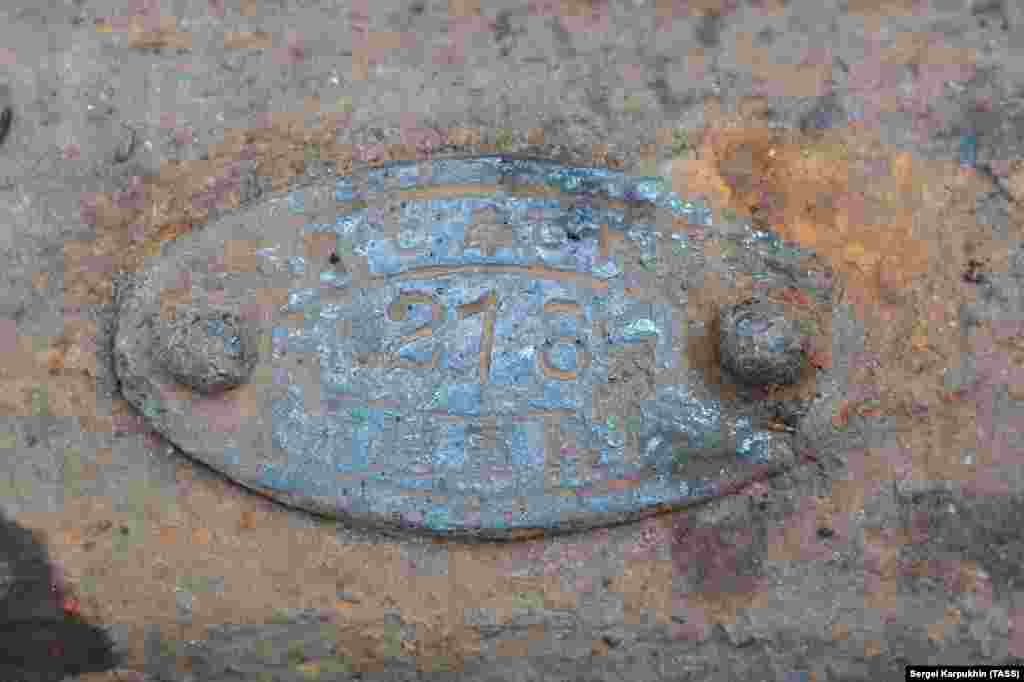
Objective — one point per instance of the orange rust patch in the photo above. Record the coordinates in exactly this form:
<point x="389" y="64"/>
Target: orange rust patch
<point x="880" y="6"/>
<point x="140" y="36"/>
<point x="201" y="536"/>
<point x="622" y="484"/>
<point x="40" y="280"/>
<point x="725" y="607"/>
<point x="73" y="351"/>
<point x="802" y="190"/>
<point x="171" y="298"/>
<point x="463" y="136"/>
<point x="797" y="80"/>
<point x="234" y="40"/>
<point x="247" y="520"/>
<point x="872" y="648"/>
<point x="645" y="587"/>
<point x="171" y="231"/>
<point x="825" y="199"/>
<point x="240" y="255"/>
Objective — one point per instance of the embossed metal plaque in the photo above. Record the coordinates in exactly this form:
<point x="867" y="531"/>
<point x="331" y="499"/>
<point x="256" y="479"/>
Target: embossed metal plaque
<point x="472" y="346"/>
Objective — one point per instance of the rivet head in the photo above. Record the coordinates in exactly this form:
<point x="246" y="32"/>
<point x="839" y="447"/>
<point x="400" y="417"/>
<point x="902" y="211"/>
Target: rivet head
<point x="210" y="349"/>
<point x="759" y="344"/>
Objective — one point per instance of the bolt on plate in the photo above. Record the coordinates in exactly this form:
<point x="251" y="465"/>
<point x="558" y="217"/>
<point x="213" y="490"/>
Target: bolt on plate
<point x="471" y="346"/>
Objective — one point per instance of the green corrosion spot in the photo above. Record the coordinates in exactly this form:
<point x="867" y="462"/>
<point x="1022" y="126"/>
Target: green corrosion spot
<point x="151" y="407"/>
<point x="529" y="600"/>
<point x="504" y="139"/>
<point x="265" y="649"/>
<point x="296" y="653"/>
<point x="40" y="405"/>
<point x="632" y="104"/>
<point x="280" y="617"/>
<point x="680" y="142"/>
<point x="808" y="327"/>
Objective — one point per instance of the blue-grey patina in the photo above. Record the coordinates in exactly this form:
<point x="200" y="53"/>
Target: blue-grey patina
<point x="449" y="367"/>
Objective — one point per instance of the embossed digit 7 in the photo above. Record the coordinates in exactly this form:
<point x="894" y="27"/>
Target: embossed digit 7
<point x="488" y="305"/>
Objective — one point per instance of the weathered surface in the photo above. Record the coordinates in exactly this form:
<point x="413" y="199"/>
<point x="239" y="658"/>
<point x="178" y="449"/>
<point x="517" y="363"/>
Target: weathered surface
<point x="642" y="81"/>
<point x="210" y="350"/>
<point x="437" y="334"/>
<point x="760" y="345"/>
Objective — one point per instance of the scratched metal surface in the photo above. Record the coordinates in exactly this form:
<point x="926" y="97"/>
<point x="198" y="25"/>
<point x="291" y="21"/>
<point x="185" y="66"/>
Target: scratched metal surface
<point x="443" y="372"/>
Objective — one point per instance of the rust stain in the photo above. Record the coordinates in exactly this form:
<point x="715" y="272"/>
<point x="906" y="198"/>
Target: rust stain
<point x="170" y="299"/>
<point x="818" y="194"/>
<point x="141" y="36"/>
<point x="234" y="40"/>
<point x="447" y="191"/>
<point x="563" y="307"/>
<point x="318" y="245"/>
<point x="540" y="272"/>
<point x="463" y="137"/>
<point x="887" y="7"/>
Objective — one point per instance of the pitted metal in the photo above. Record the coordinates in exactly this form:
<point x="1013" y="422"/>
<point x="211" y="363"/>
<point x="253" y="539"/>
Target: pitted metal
<point x="438" y="345"/>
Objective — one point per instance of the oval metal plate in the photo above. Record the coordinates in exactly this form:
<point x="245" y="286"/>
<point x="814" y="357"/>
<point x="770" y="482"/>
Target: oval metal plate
<point x="497" y="344"/>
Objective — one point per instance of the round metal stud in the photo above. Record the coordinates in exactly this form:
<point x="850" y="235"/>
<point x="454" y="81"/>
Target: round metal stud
<point x="759" y="344"/>
<point x="211" y="350"/>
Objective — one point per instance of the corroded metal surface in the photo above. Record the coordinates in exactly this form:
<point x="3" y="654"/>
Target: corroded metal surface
<point x="468" y="346"/>
<point x="759" y="345"/>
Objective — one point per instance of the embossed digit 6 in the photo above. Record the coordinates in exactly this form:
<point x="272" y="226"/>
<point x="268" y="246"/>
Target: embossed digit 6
<point x="582" y="359"/>
<point x="582" y="355"/>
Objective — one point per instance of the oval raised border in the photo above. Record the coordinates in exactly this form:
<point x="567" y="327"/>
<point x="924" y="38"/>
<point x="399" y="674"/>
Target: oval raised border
<point x="437" y="340"/>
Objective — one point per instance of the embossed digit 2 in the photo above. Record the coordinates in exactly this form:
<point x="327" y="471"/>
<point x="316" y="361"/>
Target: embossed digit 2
<point x="397" y="311"/>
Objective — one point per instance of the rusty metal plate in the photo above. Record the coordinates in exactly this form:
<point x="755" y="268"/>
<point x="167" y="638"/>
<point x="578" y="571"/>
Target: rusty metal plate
<point x="471" y="346"/>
